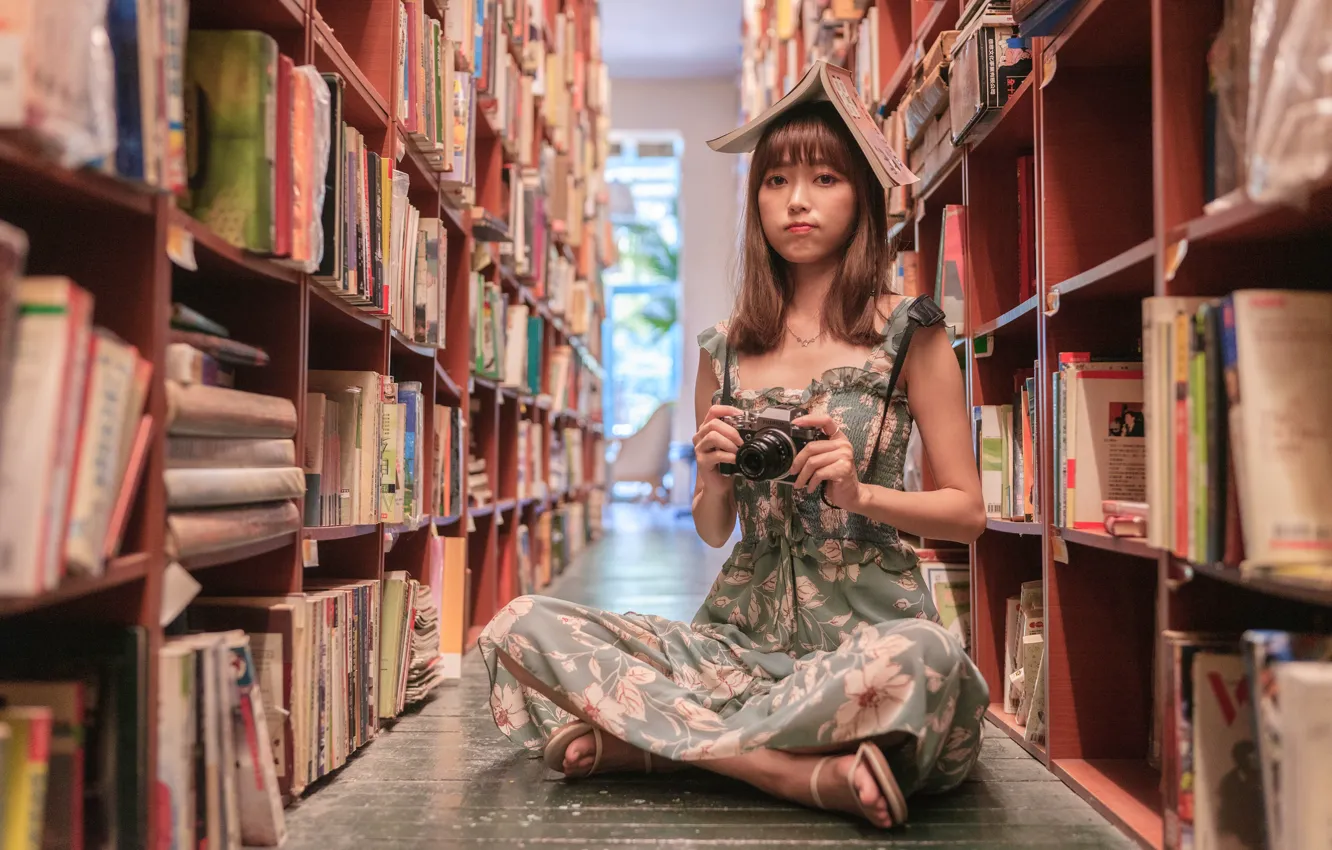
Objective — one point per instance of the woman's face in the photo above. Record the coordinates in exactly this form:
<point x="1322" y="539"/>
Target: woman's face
<point x="808" y="211"/>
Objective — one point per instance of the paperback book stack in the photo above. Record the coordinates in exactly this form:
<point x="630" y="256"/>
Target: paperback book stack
<point x="74" y="431"/>
<point x="425" y="669"/>
<point x="231" y="472"/>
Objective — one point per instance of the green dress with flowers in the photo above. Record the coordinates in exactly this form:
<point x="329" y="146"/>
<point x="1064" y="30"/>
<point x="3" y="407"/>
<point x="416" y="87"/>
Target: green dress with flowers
<point x="818" y="630"/>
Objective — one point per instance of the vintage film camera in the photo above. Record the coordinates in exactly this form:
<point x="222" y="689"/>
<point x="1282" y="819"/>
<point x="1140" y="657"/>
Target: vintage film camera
<point x="769" y="443"/>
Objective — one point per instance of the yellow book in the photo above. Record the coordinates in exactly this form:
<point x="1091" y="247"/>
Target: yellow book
<point x="25" y="775"/>
<point x="452" y="612"/>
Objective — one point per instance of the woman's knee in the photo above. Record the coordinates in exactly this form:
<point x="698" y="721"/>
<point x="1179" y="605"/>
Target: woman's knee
<point x="521" y="616"/>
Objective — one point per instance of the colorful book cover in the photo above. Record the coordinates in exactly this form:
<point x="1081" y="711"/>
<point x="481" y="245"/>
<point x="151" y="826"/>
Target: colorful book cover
<point x="231" y="85"/>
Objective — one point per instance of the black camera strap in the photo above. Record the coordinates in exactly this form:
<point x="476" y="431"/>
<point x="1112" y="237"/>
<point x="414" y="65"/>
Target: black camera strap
<point x="923" y="312"/>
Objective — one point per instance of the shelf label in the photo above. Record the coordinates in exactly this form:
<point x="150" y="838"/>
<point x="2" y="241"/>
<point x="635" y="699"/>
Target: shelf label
<point x="1060" y="548"/>
<point x="1052" y="302"/>
<point x="1174" y="257"/>
<point x="180" y="248"/>
<point x="983" y="345"/>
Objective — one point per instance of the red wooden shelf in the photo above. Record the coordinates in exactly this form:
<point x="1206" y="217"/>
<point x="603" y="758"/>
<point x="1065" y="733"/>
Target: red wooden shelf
<point x="363" y="106"/>
<point x="1128" y="275"/>
<point x="1008" y="723"/>
<point x="37" y="178"/>
<point x="1250" y="221"/>
<point x="897" y="83"/>
<point x="448" y="387"/>
<point x="329" y="308"/>
<point x="237" y="553"/>
<point x="1008" y="526"/>
<point x="1283" y="588"/>
<point x="215" y="254"/>
<point x="338" y="532"/>
<point x="1014" y="130"/>
<point x="1135" y="546"/>
<point x="1127" y="791"/>
<point x="403" y="345"/>
<point x="1017" y="321"/>
<point x="119" y="571"/>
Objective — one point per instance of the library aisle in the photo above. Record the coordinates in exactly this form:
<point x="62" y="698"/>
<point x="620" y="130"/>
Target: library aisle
<point x="444" y="777"/>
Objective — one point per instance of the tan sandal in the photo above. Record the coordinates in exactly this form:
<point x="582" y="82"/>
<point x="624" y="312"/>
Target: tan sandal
<point x="873" y="758"/>
<point x="559" y="743"/>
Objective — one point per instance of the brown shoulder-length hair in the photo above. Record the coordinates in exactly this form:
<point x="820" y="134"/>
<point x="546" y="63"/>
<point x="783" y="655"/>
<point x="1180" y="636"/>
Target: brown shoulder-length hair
<point x="809" y="134"/>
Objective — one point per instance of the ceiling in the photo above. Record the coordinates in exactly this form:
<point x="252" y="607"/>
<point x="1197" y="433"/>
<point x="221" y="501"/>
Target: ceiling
<point x="657" y="39"/>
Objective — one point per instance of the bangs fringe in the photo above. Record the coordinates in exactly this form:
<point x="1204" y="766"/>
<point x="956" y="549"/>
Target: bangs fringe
<point x="808" y="138"/>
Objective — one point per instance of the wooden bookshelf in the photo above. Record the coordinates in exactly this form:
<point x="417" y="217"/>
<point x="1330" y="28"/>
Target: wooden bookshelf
<point x="1113" y="114"/>
<point x="76" y="219"/>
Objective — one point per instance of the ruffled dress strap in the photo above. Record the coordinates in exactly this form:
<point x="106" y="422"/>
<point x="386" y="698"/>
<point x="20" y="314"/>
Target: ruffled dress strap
<point x="713" y="341"/>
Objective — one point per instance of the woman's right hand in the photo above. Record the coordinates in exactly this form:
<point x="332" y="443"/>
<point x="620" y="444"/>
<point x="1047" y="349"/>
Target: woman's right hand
<point x="715" y="443"/>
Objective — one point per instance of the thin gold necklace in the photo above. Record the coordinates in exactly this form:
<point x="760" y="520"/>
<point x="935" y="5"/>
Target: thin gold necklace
<point x="804" y="343"/>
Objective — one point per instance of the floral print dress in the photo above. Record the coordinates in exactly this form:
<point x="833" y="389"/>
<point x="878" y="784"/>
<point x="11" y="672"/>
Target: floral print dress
<point x="818" y="630"/>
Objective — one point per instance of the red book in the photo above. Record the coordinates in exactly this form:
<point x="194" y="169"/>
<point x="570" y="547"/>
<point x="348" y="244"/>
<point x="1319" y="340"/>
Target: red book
<point x="283" y="176"/>
<point x="1026" y="167"/>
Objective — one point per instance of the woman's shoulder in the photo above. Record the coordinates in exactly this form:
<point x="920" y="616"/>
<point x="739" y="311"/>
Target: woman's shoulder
<point x="712" y="338"/>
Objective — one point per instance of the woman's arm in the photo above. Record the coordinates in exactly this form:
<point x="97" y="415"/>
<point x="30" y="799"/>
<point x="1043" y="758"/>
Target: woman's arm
<point x="954" y="511"/>
<point x="714" y="493"/>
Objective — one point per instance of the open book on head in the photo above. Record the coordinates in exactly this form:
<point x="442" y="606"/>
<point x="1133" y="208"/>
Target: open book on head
<point x="824" y="81"/>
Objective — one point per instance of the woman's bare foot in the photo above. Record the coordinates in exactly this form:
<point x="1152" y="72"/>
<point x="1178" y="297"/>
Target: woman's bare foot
<point x="616" y="756"/>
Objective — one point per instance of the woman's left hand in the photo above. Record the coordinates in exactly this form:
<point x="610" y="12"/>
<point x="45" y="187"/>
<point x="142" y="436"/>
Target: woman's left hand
<point x="831" y="462"/>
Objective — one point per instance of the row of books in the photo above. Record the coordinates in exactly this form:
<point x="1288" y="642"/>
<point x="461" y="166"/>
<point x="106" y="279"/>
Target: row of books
<point x="74" y="429"/>
<point x="381" y="253"/>
<point x="215" y="762"/>
<point x="1023" y="685"/>
<point x="1005" y="436"/>
<point x="366" y="458"/>
<point x="1246" y="747"/>
<point x="1239" y="458"/>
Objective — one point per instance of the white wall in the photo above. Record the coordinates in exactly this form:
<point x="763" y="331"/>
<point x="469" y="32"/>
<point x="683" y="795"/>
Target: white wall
<point x="698" y="109"/>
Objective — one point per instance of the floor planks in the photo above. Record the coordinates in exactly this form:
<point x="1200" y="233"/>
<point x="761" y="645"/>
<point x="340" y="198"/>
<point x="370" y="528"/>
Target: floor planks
<point x="443" y="777"/>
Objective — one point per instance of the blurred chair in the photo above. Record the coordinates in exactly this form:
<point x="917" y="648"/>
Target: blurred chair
<point x="644" y="456"/>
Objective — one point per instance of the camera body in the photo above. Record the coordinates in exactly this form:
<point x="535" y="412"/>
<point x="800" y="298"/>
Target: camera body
<point x="769" y="443"/>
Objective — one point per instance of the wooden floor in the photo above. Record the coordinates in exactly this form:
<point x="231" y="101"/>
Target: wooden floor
<point x="444" y="777"/>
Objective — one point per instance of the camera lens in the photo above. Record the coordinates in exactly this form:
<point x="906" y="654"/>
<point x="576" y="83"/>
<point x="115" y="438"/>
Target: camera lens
<point x="768" y="454"/>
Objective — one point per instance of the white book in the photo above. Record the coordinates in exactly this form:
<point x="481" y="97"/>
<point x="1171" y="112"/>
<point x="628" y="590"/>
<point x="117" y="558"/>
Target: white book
<point x="1222" y="733"/>
<point x="41" y="431"/>
<point x="1283" y="345"/>
<point x="989" y="444"/>
<point x="97" y="478"/>
<point x="1106" y="453"/>
<point x="1306" y="781"/>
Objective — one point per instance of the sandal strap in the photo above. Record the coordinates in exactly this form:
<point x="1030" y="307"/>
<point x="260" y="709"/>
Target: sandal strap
<point x="814" y="782"/>
<point x="596" y="759"/>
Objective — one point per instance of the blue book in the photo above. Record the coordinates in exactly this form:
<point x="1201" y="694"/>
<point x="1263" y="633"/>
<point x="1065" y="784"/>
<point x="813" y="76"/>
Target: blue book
<point x="409" y="395"/>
